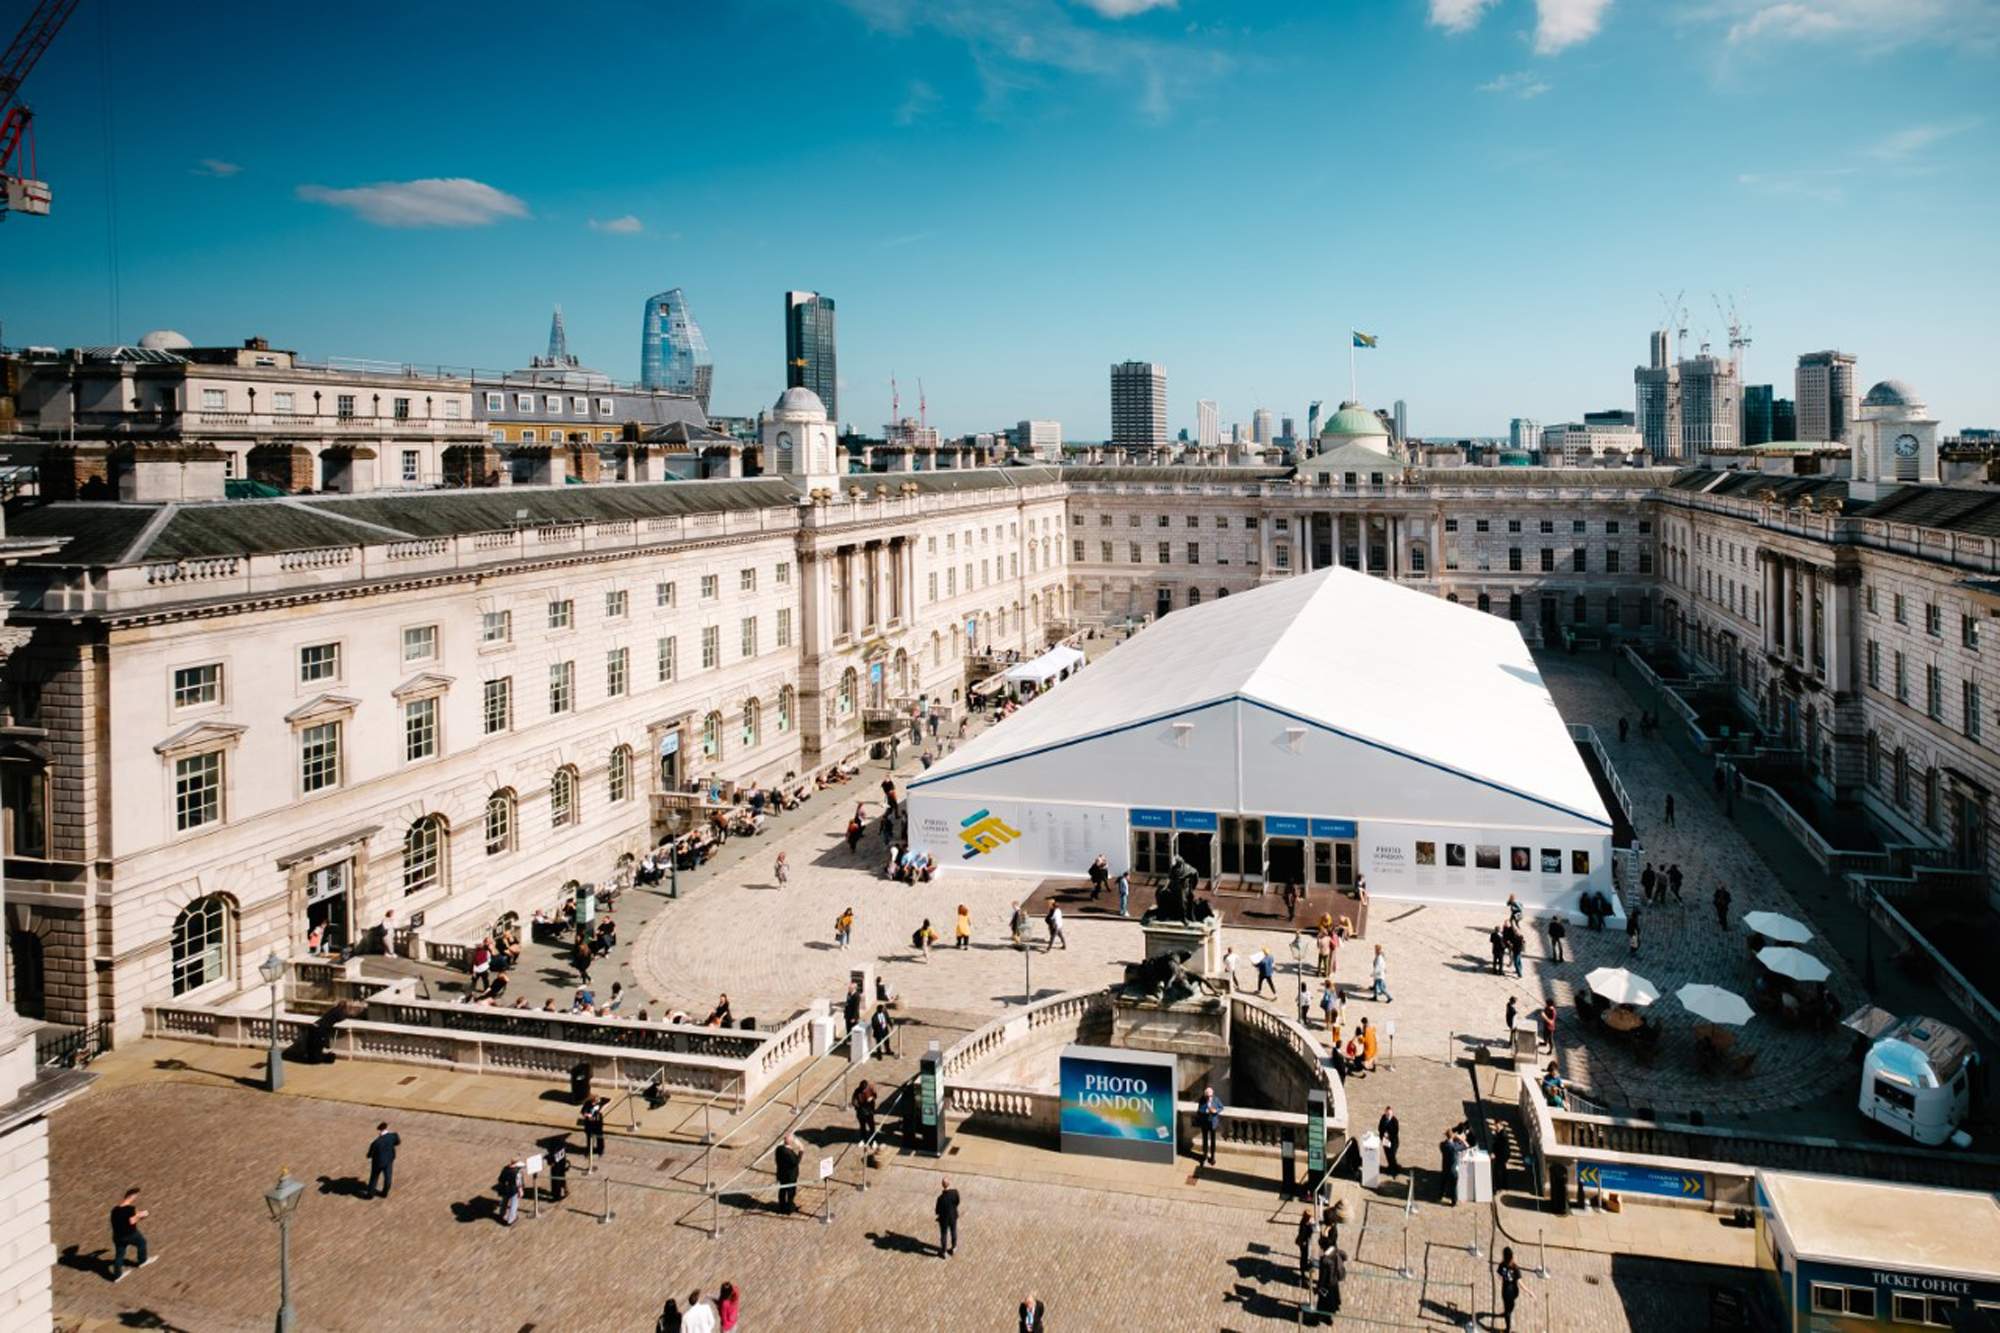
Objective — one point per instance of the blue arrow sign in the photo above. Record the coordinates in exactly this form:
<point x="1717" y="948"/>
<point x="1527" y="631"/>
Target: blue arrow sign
<point x="1627" y="1179"/>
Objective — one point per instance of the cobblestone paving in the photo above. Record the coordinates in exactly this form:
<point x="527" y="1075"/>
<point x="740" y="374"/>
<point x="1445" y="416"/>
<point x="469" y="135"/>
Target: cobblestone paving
<point x="432" y="1257"/>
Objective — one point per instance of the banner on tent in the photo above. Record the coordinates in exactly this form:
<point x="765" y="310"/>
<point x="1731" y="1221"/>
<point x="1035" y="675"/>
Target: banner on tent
<point x="1015" y="835"/>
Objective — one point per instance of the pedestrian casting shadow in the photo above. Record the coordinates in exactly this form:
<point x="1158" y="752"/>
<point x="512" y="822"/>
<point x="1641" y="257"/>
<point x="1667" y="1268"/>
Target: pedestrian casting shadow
<point x="556" y="976"/>
<point x="556" y="1095"/>
<point x="821" y="945"/>
<point x="481" y="1209"/>
<point x="97" y="1262"/>
<point x="1258" y="1305"/>
<point x="1260" y="1268"/>
<point x="901" y="1244"/>
<point x="347" y="1187"/>
<point x="149" y="1319"/>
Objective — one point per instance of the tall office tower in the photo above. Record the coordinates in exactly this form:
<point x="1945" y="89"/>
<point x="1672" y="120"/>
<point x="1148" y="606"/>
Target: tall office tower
<point x="1523" y="433"/>
<point x="1824" y="390"/>
<point x="1286" y="429"/>
<point x="1138" y="405"/>
<point x="809" y="355"/>
<point x="672" y="353"/>
<point x="1040" y="440"/>
<point x="1784" y="419"/>
<point x="1657" y="387"/>
<point x="558" y="339"/>
<point x="1260" y="426"/>
<point x="1207" y="424"/>
<point x="1711" y="401"/>
<point x="1312" y="422"/>
<point x="1402" y="420"/>
<point x="1757" y="414"/>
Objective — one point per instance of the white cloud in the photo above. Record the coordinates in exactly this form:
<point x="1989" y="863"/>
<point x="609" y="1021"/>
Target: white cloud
<point x="1906" y="143"/>
<point x="1458" y="15"/>
<point x="1524" y="85"/>
<point x="435" y="202"/>
<point x="1820" y="186"/>
<point x="1867" y="25"/>
<point x="1564" y="23"/>
<point x="919" y="100"/>
<point x="628" y="225"/>
<point x="215" y="166"/>
<point x="1124" y="9"/>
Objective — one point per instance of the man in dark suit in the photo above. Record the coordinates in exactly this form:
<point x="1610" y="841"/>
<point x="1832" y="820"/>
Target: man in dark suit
<point x="1032" y="1311"/>
<point x="382" y="1161"/>
<point x="1390" y="1130"/>
<point x="1332" y="1272"/>
<point x="947" y="1220"/>
<point x="1208" y="1114"/>
<point x="788" y="1156"/>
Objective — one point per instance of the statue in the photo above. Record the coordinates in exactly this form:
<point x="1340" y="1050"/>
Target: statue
<point x="1176" y="899"/>
<point x="1162" y="978"/>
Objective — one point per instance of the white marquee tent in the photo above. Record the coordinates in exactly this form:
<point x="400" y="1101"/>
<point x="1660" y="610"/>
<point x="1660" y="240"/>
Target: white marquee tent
<point x="1330" y="724"/>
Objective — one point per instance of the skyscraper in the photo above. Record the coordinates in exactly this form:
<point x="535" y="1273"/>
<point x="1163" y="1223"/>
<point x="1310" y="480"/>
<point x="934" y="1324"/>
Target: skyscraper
<point x="1524" y="433"/>
<point x="809" y="353"/>
<point x="1657" y="387"/>
<point x="1824" y="387"/>
<point x="1040" y="440"/>
<point x="1138" y="405"/>
<point x="672" y="353"/>
<point x="1207" y="423"/>
<point x="1784" y="419"/>
<point x="1402" y="420"/>
<point x="1710" y="402"/>
<point x="1757" y="402"/>
<point x="1260" y="425"/>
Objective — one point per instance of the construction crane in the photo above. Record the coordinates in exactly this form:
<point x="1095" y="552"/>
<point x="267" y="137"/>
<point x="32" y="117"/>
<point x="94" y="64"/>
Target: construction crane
<point x="1677" y="318"/>
<point x="1739" y="332"/>
<point x="22" y="193"/>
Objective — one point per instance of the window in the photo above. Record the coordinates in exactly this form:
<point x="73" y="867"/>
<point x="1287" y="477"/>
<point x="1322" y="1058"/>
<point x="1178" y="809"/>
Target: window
<point x="1933" y="619"/>
<point x="1828" y="1298"/>
<point x="562" y="798"/>
<point x="1194" y="553"/>
<point x="1968" y="632"/>
<point x="343" y="407"/>
<point x="562" y="613"/>
<point x="782" y="574"/>
<point x="197" y="790"/>
<point x="1281" y="555"/>
<point x="201" y="944"/>
<point x="1548" y="526"/>
<point x="400" y="408"/>
<point x="663" y="595"/>
<point x="785" y="626"/>
<point x="1874" y="664"/>
<point x="198" y="685"/>
<point x="580" y="406"/>
<point x="844" y="701"/>
<point x="1908" y="1307"/>
<point x="1645" y="562"/>
<point x="618" y="774"/>
<point x="666" y="658"/>
<point x="420" y="729"/>
<point x="708" y="587"/>
<point x="711" y="736"/>
<point x="528" y="436"/>
<point x="606" y="406"/>
<point x="553" y="402"/>
<point x="1934" y="693"/>
<point x="496" y="402"/>
<point x="214" y="400"/>
<point x="1901" y="616"/>
<point x="614" y="604"/>
<point x="1902" y="681"/>
<point x="746" y="580"/>
<point x="616" y="674"/>
<point x="423" y="855"/>
<point x="319" y="757"/>
<point x="496" y="626"/>
<point x="1166" y="553"/>
<point x="497" y="705"/>
<point x="1514" y="558"/>
<point x="785" y="698"/>
<point x="318" y="662"/>
<point x="1611" y="527"/>
<point x="1969" y="700"/>
<point x="500" y="822"/>
<point x="282" y="404"/>
<point x="1513" y="525"/>
<point x="1076" y="549"/>
<point x="1548" y="560"/>
<point x="524" y="402"/>
<point x="753" y="723"/>
<point x="411" y="464"/>
<point x="420" y="643"/>
<point x="1481" y="525"/>
<point x="711" y="647"/>
<point x="1610" y="560"/>
<point x="749" y="636"/>
<point x="562" y="687"/>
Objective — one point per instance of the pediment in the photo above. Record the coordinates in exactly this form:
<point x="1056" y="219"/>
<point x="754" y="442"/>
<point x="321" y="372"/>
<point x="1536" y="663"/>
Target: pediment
<point x="422" y="684"/>
<point x="200" y="736"/>
<point x="322" y="708"/>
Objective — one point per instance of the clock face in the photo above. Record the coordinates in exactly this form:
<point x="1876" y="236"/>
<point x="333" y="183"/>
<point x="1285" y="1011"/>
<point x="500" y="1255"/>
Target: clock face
<point x="1906" y="446"/>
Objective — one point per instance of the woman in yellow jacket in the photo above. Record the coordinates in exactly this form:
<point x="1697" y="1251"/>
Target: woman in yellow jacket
<point x="962" y="931"/>
<point x="1367" y="1035"/>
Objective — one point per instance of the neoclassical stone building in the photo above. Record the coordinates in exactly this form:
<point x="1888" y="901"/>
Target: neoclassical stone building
<point x="234" y="721"/>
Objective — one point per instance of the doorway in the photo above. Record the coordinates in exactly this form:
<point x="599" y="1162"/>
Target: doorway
<point x="1163" y="602"/>
<point x="670" y="761"/>
<point x="1333" y="863"/>
<point x="1285" y="861"/>
<point x="24" y="969"/>
<point x="1152" y="851"/>
<point x="327" y="905"/>
<point x="1196" y="849"/>
<point x="1969" y="838"/>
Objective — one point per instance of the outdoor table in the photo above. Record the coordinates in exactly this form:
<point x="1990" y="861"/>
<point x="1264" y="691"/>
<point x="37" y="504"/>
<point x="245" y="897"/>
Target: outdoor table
<point x="1720" y="1039"/>
<point x="1623" y="1018"/>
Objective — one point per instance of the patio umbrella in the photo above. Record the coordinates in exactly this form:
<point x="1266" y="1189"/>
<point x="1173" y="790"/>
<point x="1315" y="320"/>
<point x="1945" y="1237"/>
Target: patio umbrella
<point x="1779" y="927"/>
<point x="1622" y="986"/>
<point x="1713" y="1004"/>
<point x="1794" y="963"/>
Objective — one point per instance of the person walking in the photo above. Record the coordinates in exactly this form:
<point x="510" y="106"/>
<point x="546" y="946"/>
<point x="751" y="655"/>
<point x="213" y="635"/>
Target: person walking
<point x="1332" y="1272"/>
<point x="1558" y="932"/>
<point x="1513" y="910"/>
<point x="509" y="1189"/>
<point x="1209" y="1113"/>
<point x="1380" y="976"/>
<point x="670" y="1318"/>
<point x="1623" y="729"/>
<point x="1722" y="901"/>
<point x="1646" y="878"/>
<point x="1517" y="944"/>
<point x="559" y="1171"/>
<point x="1032" y="1318"/>
<point x="125" y="1234"/>
<point x="1056" y="935"/>
<point x="1670" y="809"/>
<point x="1448" y="1157"/>
<point x="1305" y="1005"/>
<point x="880" y="1029"/>
<point x="1100" y="877"/>
<point x="1017" y="925"/>
<point x="924" y="938"/>
<point x="1266" y="964"/>
<point x="1304" y="1241"/>
<point x="728" y="1302"/>
<point x="1125" y="892"/>
<point x="850" y="1008"/>
<point x="843" y="928"/>
<point x="1368" y="1045"/>
<point x="947" y="1219"/>
<point x="1329" y="1003"/>
<point x="1291" y="901"/>
<point x="1513" y="1012"/>
<point x="591" y="1118"/>
<point x="786" y="1158"/>
<point x="1390" y="1131"/>
<point x="1510" y="1284"/>
<point x="1632" y="933"/>
<point x="1299" y="955"/>
<point x="1546" y="1031"/>
<point x="781" y="870"/>
<point x="1496" y="945"/>
<point x="699" y="1317"/>
<point x="864" y="1100"/>
<point x="1326" y="947"/>
<point x="1674" y="880"/>
<point x="381" y="1156"/>
<point x="961" y="929"/>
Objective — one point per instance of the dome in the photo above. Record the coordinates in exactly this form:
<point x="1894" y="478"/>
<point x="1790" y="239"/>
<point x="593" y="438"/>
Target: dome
<point x="165" y="340"/>
<point x="800" y="401"/>
<point x="1353" y="419"/>
<point x="1891" y="393"/>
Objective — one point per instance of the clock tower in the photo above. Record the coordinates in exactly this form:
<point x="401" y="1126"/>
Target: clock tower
<point x="1895" y="441"/>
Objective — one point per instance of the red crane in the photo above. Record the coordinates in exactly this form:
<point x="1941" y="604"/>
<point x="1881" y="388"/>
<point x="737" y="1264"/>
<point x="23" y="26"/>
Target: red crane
<point x="23" y="194"/>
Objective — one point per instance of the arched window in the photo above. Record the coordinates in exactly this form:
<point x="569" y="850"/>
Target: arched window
<point x="711" y="736"/>
<point x="845" y="699"/>
<point x="562" y="798"/>
<point x="201" y="943"/>
<point x="1194" y="596"/>
<point x="753" y="723"/>
<point x="784" y="710"/>
<point x="937" y="649"/>
<point x="500" y="822"/>
<point x="618" y="776"/>
<point x="423" y="854"/>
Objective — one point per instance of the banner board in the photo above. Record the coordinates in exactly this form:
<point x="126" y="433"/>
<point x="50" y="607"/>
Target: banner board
<point x="1118" y="1103"/>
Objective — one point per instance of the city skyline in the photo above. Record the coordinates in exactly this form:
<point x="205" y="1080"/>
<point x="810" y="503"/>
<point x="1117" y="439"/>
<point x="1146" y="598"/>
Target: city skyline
<point x="1845" y="121"/>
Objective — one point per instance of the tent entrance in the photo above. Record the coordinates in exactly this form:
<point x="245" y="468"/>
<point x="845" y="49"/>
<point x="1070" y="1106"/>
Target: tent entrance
<point x="1240" y="850"/>
<point x="1285" y="860"/>
<point x="1152" y="851"/>
<point x="1197" y="850"/>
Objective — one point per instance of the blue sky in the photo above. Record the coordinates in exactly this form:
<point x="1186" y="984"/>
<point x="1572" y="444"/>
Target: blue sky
<point x="1005" y="196"/>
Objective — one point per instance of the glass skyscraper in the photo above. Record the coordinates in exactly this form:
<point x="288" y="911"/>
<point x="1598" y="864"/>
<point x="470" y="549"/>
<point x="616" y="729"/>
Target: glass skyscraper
<point x="672" y="353"/>
<point x="809" y="355"/>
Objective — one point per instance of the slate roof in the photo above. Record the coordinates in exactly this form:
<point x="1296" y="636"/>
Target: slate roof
<point x="1176" y="474"/>
<point x="1953" y="508"/>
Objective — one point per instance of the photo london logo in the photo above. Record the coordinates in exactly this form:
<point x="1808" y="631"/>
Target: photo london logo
<point x="984" y="831"/>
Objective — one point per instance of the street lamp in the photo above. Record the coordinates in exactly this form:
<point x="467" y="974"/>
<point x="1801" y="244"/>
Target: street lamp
<point x="272" y="969"/>
<point x="283" y="1200"/>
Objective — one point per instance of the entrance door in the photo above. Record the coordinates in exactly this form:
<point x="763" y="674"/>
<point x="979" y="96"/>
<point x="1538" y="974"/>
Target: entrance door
<point x="670" y="761"/>
<point x="1285" y="861"/>
<point x="1152" y="851"/>
<point x="24" y="969"/>
<point x="326" y="905"/>
<point x="1322" y="857"/>
<point x="1970" y="837"/>
<point x="1196" y="849"/>
<point x="1343" y="865"/>
<point x="1163" y="602"/>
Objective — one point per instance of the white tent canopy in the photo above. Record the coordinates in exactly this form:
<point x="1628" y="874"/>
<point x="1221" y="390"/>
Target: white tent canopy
<point x="1047" y="667"/>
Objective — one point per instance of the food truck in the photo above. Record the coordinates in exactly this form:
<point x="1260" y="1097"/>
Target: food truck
<point x="1839" y="1255"/>
<point x="1916" y="1077"/>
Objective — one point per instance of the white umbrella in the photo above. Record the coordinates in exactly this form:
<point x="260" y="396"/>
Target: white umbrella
<point x="1713" y="1004"/>
<point x="1779" y="927"/>
<point x="1621" y="986"/>
<point x="1794" y="963"/>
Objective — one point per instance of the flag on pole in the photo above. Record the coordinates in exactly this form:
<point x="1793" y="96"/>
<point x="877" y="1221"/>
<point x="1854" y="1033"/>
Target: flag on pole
<point x="1363" y="339"/>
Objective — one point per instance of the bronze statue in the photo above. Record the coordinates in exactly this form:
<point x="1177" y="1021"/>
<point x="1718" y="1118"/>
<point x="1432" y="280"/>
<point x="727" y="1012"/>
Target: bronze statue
<point x="1176" y="899"/>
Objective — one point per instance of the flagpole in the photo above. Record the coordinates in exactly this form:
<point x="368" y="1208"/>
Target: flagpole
<point x="1353" y="394"/>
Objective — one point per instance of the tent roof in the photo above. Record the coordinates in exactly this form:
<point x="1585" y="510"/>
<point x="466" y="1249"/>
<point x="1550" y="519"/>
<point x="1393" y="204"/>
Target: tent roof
<point x="1051" y="663"/>
<point x="1397" y="669"/>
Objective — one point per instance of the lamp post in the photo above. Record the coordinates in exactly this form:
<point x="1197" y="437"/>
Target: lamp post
<point x="272" y="969"/>
<point x="283" y="1200"/>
